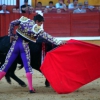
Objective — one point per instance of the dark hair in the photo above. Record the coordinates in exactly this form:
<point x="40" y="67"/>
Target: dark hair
<point x="3" y="4"/>
<point x="40" y="2"/>
<point x="25" y="1"/>
<point x="50" y="2"/>
<point x="38" y="18"/>
<point x="75" y="0"/>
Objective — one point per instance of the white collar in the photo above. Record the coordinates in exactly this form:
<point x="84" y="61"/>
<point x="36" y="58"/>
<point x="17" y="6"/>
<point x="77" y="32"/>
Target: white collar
<point x="3" y="11"/>
<point x="79" y="9"/>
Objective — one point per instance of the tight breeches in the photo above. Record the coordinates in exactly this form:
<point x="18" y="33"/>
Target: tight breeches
<point x="18" y="47"/>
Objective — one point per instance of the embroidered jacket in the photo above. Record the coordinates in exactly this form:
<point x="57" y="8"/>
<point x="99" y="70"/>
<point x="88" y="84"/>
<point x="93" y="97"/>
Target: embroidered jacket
<point x="29" y="30"/>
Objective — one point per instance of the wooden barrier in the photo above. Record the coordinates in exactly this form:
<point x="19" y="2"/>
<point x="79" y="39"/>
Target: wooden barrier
<point x="57" y="24"/>
<point x="5" y="20"/>
<point x="60" y="25"/>
<point x="85" y="24"/>
<point x="69" y="24"/>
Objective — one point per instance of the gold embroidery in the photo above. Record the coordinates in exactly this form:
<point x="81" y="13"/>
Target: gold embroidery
<point x="22" y="19"/>
<point x="8" y="56"/>
<point x="27" y="51"/>
<point x="26" y="35"/>
<point x="37" y="28"/>
<point x="32" y="35"/>
<point x="31" y="23"/>
<point x="25" y="42"/>
<point x="25" y="30"/>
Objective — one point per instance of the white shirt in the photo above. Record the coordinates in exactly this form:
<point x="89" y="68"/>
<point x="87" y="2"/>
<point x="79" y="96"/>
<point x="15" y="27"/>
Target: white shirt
<point x="79" y="10"/>
<point x="89" y="7"/>
<point x="49" y="7"/>
<point x="60" y="6"/>
<point x="71" y="6"/>
<point x="1" y="11"/>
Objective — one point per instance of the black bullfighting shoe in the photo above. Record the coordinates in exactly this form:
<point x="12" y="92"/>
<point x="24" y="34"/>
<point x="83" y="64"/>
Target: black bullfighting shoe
<point x="32" y="91"/>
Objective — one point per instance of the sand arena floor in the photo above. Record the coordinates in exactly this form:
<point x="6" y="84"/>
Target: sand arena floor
<point x="90" y="91"/>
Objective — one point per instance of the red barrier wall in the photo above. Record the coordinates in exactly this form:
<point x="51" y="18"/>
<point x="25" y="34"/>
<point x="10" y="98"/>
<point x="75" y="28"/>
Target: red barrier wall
<point x="60" y="25"/>
<point x="85" y="24"/>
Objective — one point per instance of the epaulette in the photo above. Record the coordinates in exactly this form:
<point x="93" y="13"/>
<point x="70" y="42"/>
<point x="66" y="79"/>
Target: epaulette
<point x="23" y="19"/>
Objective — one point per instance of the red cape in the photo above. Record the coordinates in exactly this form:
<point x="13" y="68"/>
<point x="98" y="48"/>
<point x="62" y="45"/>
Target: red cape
<point x="70" y="66"/>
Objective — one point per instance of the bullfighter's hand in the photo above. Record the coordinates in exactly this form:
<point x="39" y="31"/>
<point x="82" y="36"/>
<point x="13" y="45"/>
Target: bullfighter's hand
<point x="12" y="38"/>
<point x="63" y="42"/>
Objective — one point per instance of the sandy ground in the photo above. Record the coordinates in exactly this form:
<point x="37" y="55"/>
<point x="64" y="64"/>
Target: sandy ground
<point x="90" y="91"/>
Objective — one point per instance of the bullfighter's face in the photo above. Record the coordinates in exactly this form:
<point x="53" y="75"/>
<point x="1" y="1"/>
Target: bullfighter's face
<point x="39" y="23"/>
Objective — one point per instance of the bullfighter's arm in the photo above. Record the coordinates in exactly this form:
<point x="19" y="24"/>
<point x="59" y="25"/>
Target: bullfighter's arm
<point x="50" y="38"/>
<point x="40" y="32"/>
<point x="11" y="27"/>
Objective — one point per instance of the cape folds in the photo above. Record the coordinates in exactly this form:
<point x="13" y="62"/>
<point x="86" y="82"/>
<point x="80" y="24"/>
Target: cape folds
<point x="72" y="65"/>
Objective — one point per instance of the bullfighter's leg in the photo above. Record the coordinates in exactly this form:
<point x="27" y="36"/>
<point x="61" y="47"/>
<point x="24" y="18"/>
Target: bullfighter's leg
<point x="11" y="56"/>
<point x="25" y="55"/>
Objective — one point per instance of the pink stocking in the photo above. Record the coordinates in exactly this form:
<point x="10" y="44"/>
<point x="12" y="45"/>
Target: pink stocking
<point x="2" y="74"/>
